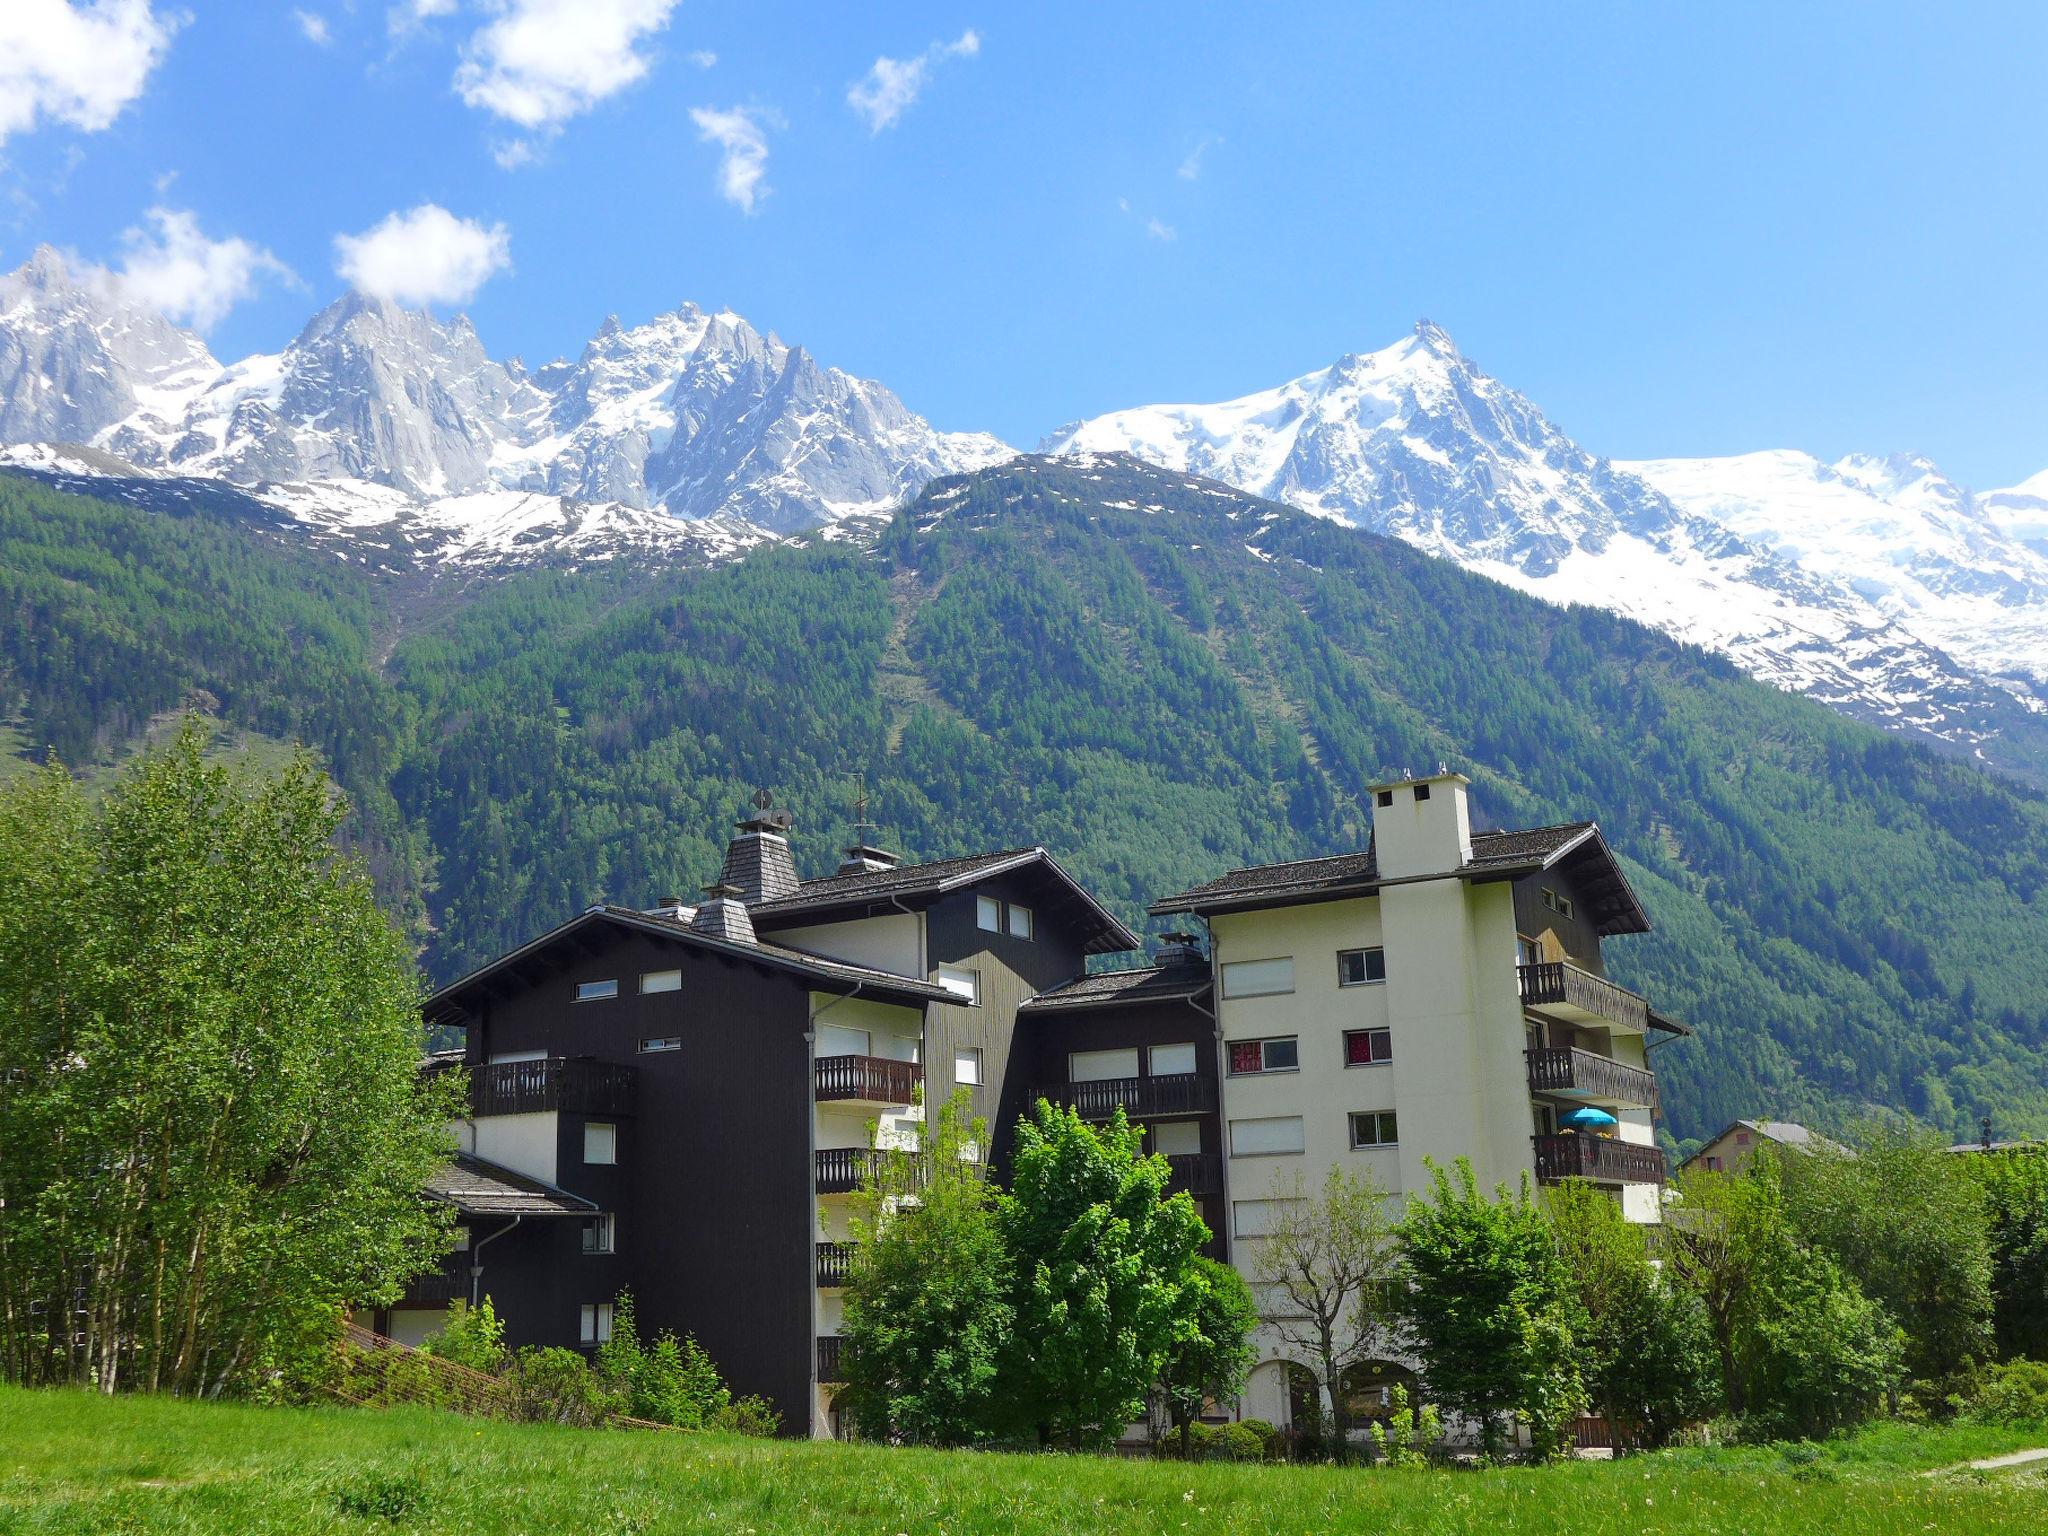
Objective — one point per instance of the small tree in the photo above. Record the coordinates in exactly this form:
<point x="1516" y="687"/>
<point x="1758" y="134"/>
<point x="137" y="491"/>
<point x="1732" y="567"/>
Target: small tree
<point x="927" y="1310"/>
<point x="2015" y="1185"/>
<point x="1905" y="1217"/>
<point x="471" y="1336"/>
<point x="1644" y="1350"/>
<point x="1210" y="1360"/>
<point x="1100" y="1256"/>
<point x="1330" y="1265"/>
<point x="1489" y="1309"/>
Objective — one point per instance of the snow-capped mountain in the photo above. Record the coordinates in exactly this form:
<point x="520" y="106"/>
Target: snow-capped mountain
<point x="694" y="414"/>
<point x="1417" y="442"/>
<point x="1921" y="549"/>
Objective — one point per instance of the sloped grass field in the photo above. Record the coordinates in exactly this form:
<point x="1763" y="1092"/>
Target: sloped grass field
<point x="71" y="1462"/>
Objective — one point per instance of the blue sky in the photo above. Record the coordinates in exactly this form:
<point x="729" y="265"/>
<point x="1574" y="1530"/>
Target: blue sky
<point x="1679" y="229"/>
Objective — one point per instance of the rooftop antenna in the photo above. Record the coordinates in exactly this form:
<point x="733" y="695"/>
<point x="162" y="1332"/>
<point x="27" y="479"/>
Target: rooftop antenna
<point x="763" y="800"/>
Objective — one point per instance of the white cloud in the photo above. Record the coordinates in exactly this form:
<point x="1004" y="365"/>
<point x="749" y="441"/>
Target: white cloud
<point x="176" y="270"/>
<point x="426" y="256"/>
<point x="740" y="133"/>
<point x="704" y="58"/>
<point x="886" y="91"/>
<point x="539" y="63"/>
<point x="401" y="21"/>
<point x="1159" y="229"/>
<point x="77" y="64"/>
<point x="511" y="154"/>
<point x="314" y="26"/>
<point x="1191" y="167"/>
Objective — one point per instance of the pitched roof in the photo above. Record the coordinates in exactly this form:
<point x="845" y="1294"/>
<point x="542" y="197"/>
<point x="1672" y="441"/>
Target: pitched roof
<point x="863" y="889"/>
<point x="447" y="1004"/>
<point x="1495" y="856"/>
<point x="477" y="1187"/>
<point x="1147" y="984"/>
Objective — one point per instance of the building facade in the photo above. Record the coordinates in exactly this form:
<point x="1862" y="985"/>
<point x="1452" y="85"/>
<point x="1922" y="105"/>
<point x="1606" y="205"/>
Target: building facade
<point x="678" y="1102"/>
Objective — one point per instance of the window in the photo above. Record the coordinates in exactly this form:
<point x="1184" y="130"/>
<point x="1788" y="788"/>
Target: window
<point x="655" y="1043"/>
<point x="1258" y="978"/>
<point x="597" y="1238"/>
<point x="600" y="1142"/>
<point x="1356" y="967"/>
<point x="1373" y="1129"/>
<point x="1368" y="1047"/>
<point x="596" y="991"/>
<point x="1020" y="922"/>
<point x="597" y="1322"/>
<point x="661" y="981"/>
<point x="1528" y="951"/>
<point x="1266" y="1138"/>
<point x="462" y="1239"/>
<point x="1422" y="792"/>
<point x="1172" y="1060"/>
<point x="1102" y="1066"/>
<point x="988" y="914"/>
<point x="839" y="1040"/>
<point x="1177" y="1138"/>
<point x="963" y="984"/>
<point x="1561" y="905"/>
<point x="1282" y="1055"/>
<point x="1258" y="1218"/>
<point x="1384" y="798"/>
<point x="967" y="1066"/>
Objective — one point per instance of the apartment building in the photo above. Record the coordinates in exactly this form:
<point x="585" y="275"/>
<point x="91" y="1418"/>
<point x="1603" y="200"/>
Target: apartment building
<point x="677" y="1101"/>
<point x="1442" y="994"/>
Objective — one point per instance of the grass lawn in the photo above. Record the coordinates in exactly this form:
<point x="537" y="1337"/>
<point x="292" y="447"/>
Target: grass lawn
<point x="71" y="1462"/>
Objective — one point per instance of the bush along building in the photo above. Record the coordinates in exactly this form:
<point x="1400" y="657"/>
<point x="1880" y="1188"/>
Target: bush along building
<point x="678" y="1101"/>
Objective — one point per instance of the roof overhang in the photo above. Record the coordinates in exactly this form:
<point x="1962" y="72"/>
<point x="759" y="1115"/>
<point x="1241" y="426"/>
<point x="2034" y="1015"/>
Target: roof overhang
<point x="543" y="956"/>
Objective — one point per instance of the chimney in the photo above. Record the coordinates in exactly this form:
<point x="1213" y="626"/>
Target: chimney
<point x="1179" y="949"/>
<point x="723" y="916"/>
<point x="1421" y="826"/>
<point x="758" y="864"/>
<point x="865" y="858"/>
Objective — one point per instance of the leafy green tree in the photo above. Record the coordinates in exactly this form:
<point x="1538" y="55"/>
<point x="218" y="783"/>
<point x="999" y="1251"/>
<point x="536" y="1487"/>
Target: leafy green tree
<point x="2015" y="1185"/>
<point x="215" y="1125"/>
<point x="1211" y="1359"/>
<point x="671" y="1380"/>
<point x="1489" y="1309"/>
<point x="1330" y="1265"/>
<point x="1904" y="1216"/>
<point x="1100" y="1254"/>
<point x="1645" y="1351"/>
<point x="927" y="1309"/>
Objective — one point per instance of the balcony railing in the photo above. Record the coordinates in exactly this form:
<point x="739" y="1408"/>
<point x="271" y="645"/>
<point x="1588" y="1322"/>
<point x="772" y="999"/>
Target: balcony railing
<point x="1580" y="1074"/>
<point x="527" y="1087"/>
<point x="835" y="1263"/>
<point x="1561" y="987"/>
<point x="829" y="1346"/>
<point x="1199" y="1173"/>
<point x="867" y="1080"/>
<point x="1596" y="1158"/>
<point x="434" y="1286"/>
<point x="1141" y="1098"/>
<point x="841" y="1169"/>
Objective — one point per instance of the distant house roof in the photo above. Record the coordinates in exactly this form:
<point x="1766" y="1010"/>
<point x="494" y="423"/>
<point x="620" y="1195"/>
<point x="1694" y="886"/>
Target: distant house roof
<point x="1576" y="846"/>
<point x="1148" y="984"/>
<point x="477" y="1187"/>
<point x="2035" y="1144"/>
<point x="863" y="891"/>
<point x="537" y="957"/>
<point x="1786" y="1133"/>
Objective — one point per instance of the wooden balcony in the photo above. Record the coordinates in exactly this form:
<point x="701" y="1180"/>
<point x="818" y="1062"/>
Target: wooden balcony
<point x="840" y="1170"/>
<point x="829" y="1347"/>
<point x="879" y="1080"/>
<point x="835" y="1263"/>
<point x="1561" y="990"/>
<point x="553" y="1083"/>
<point x="1199" y="1173"/>
<point x="439" y="1286"/>
<point x="1597" y="1159"/>
<point x="1575" y="1074"/>
<point x="1140" y="1098"/>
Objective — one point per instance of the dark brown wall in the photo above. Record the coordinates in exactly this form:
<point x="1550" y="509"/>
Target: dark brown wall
<point x="716" y="1223"/>
<point x="1012" y="970"/>
<point x="1571" y="938"/>
<point x="1045" y="1040"/>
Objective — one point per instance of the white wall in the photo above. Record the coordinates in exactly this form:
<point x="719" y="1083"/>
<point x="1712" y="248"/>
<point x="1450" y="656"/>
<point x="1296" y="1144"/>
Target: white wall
<point x="524" y="1143"/>
<point x="894" y="942"/>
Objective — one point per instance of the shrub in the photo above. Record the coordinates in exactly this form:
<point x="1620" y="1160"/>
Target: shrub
<point x="392" y="1497"/>
<point x="1410" y="1437"/>
<point x="2013" y="1393"/>
<point x="1247" y="1440"/>
<point x="673" y="1381"/>
<point x="472" y="1336"/>
<point x="556" y="1386"/>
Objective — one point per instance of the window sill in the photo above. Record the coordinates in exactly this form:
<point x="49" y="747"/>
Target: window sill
<point x="1268" y="1072"/>
<point x="1238" y="1157"/>
<point x="1353" y="1065"/>
<point x="1344" y="986"/>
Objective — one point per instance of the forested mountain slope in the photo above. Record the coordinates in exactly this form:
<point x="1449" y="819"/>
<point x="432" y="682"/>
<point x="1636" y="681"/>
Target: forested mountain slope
<point x="1153" y="675"/>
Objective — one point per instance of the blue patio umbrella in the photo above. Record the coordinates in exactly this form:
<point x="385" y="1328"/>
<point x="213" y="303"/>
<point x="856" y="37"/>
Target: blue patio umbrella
<point x="1587" y="1118"/>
